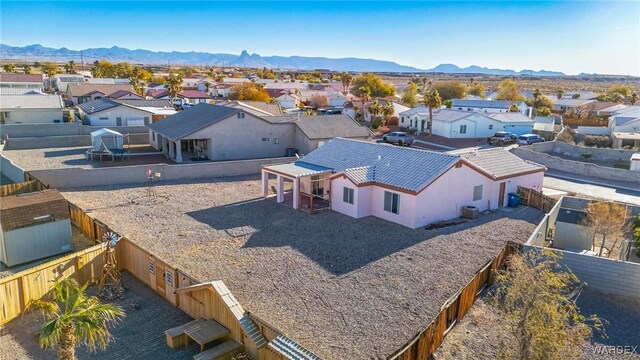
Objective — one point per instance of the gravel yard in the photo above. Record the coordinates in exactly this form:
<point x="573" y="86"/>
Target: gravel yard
<point x="140" y="335"/>
<point x="478" y="335"/>
<point x="56" y="158"/>
<point x="344" y="288"/>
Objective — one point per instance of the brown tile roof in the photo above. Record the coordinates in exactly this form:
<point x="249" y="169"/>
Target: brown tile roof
<point x="19" y="211"/>
<point x="82" y="89"/>
<point x="194" y="94"/>
<point x="157" y="93"/>
<point x="10" y="77"/>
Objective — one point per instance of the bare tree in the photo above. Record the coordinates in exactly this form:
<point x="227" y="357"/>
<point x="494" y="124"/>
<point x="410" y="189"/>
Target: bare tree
<point x="606" y="220"/>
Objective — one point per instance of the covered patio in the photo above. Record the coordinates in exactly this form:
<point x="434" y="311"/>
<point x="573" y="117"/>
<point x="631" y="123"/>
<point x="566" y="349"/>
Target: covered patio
<point x="628" y="138"/>
<point x="311" y="190"/>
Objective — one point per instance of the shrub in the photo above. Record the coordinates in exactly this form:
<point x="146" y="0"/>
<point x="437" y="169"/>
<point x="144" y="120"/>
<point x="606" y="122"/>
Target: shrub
<point x="587" y="156"/>
<point x="376" y="123"/>
<point x="598" y="141"/>
<point x="567" y="135"/>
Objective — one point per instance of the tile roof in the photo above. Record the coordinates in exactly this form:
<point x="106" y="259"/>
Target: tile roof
<point x="489" y="104"/>
<point x="192" y="119"/>
<point x="452" y="115"/>
<point x="26" y="78"/>
<point x="621" y="120"/>
<point x="420" y="109"/>
<point x="146" y="103"/>
<point x="511" y="117"/>
<point x="500" y="163"/>
<point x="121" y="93"/>
<point x="92" y="107"/>
<point x="572" y="102"/>
<point x="19" y="211"/>
<point x="400" y="167"/>
<point x="81" y="89"/>
<point x="157" y="93"/>
<point x="262" y="107"/>
<point x="31" y="102"/>
<point x="194" y="94"/>
<point x="330" y="126"/>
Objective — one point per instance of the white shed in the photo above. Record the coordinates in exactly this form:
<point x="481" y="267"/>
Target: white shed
<point x="106" y="139"/>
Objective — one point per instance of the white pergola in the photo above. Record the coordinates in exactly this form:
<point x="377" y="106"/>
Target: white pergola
<point x="290" y="171"/>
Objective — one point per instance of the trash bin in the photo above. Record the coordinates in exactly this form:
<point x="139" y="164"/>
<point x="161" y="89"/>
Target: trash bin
<point x="514" y="200"/>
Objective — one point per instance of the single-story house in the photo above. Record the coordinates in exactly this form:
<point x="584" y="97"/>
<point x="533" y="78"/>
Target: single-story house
<point x="61" y="81"/>
<point x="34" y="226"/>
<point x="185" y="97"/>
<point x="571" y="104"/>
<point x="125" y="95"/>
<point x="111" y="112"/>
<point x="80" y="93"/>
<point x="234" y="133"/>
<point x="221" y="90"/>
<point x="602" y="108"/>
<point x="582" y="95"/>
<point x="407" y="186"/>
<point x="288" y="101"/>
<point x="514" y="122"/>
<point x="17" y="84"/>
<point x="31" y="109"/>
<point x="258" y="108"/>
<point x="489" y="106"/>
<point x="108" y="81"/>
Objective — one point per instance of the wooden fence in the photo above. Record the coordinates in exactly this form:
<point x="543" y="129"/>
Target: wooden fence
<point x="536" y="199"/>
<point x="425" y="344"/>
<point x="21" y="188"/>
<point x="573" y="121"/>
<point x="18" y="289"/>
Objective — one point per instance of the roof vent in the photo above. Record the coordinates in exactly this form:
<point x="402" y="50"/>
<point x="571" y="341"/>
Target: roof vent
<point x="379" y="157"/>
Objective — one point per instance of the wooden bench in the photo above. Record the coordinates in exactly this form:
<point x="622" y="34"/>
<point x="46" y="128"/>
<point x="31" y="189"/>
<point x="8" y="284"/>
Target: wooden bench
<point x="176" y="337"/>
<point x="224" y="351"/>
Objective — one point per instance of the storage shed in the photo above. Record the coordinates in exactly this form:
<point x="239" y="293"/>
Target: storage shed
<point x="105" y="139"/>
<point x="34" y="226"/>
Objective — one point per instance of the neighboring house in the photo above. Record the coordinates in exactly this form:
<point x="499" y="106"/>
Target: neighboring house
<point x="34" y="226"/>
<point x="397" y="108"/>
<point x="234" y="133"/>
<point x="564" y="105"/>
<point x="625" y="120"/>
<point x="61" y="81"/>
<point x="407" y="186"/>
<point x="489" y="106"/>
<point x="602" y="108"/>
<point x="289" y="86"/>
<point x="221" y="90"/>
<point x="84" y="92"/>
<point x="18" y="84"/>
<point x="31" y="109"/>
<point x="288" y="101"/>
<point x="125" y="95"/>
<point x="582" y="95"/>
<point x="108" y="81"/>
<point x="110" y="112"/>
<point x="514" y="122"/>
<point x="258" y="108"/>
<point x="544" y="123"/>
<point x="191" y="97"/>
<point x="465" y="124"/>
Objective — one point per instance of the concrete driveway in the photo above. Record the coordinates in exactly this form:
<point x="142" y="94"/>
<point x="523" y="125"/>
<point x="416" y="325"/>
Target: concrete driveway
<point x="591" y="188"/>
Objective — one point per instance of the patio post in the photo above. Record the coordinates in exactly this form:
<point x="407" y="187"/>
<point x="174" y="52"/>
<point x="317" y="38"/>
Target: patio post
<point x="171" y="150"/>
<point x="296" y="192"/>
<point x="265" y="183"/>
<point x="280" y="189"/>
<point x="179" y="151"/>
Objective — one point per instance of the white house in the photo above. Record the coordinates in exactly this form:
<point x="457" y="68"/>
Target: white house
<point x="407" y="186"/>
<point x="544" y="123"/>
<point x="288" y="101"/>
<point x="625" y="120"/>
<point x="465" y="124"/>
<point x="30" y="109"/>
<point x="571" y="104"/>
<point x="489" y="106"/>
<point x="17" y="84"/>
<point x="110" y="112"/>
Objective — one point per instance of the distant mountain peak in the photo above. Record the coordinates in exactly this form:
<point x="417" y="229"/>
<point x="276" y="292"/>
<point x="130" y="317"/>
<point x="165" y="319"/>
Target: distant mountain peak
<point x="38" y="52"/>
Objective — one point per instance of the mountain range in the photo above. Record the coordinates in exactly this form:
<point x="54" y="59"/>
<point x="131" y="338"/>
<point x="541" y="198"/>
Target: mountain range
<point x="38" y="52"/>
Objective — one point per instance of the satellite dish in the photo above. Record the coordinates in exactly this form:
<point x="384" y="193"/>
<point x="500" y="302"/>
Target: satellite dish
<point x="110" y="239"/>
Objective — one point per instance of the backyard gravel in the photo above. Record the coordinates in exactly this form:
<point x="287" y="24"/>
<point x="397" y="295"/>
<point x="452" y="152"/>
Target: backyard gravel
<point x="345" y="288"/>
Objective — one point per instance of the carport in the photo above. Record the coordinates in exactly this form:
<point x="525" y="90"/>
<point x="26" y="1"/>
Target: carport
<point x="311" y="185"/>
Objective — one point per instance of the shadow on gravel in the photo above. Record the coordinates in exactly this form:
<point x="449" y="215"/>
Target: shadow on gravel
<point x="58" y="153"/>
<point x="338" y="243"/>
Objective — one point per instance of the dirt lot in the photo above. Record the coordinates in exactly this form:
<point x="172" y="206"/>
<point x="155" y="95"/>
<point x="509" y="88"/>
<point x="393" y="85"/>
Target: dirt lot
<point x="140" y="335"/>
<point x="344" y="288"/>
<point x="478" y="335"/>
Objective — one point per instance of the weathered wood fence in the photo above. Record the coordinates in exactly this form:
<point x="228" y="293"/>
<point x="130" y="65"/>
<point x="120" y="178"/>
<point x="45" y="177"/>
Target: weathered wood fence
<point x="536" y="199"/>
<point x="21" y="188"/>
<point x="575" y="121"/>
<point x="425" y="344"/>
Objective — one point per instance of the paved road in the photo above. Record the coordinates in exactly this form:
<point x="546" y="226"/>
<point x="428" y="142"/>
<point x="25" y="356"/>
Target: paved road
<point x="603" y="191"/>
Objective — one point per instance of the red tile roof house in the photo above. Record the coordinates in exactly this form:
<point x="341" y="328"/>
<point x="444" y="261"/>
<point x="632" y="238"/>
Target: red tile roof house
<point x="192" y="97"/>
<point x="83" y="92"/>
<point x="407" y="186"/>
<point x="18" y="84"/>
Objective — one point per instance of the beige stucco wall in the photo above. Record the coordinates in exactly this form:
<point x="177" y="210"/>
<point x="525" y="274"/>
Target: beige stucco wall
<point x="31" y="116"/>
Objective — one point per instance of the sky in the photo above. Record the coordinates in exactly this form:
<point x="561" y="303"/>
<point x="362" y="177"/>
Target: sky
<point x="569" y="36"/>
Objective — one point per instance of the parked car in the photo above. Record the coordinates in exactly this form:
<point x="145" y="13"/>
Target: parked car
<point x="398" y="137"/>
<point x="502" y="138"/>
<point x="528" y="139"/>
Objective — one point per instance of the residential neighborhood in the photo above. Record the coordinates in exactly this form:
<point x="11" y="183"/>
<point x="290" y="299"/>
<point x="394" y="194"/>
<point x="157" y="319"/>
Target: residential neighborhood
<point x="278" y="195"/>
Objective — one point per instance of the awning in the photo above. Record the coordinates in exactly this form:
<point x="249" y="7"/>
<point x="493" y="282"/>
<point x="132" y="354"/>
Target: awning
<point x="296" y="170"/>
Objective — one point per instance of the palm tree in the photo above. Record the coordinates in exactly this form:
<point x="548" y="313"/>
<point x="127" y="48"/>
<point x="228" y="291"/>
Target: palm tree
<point x="537" y="94"/>
<point x="9" y="67"/>
<point x="375" y="109"/>
<point x="432" y="100"/>
<point x="560" y="94"/>
<point x="634" y="98"/>
<point x="346" y="79"/>
<point x="365" y="96"/>
<point x="387" y="111"/>
<point x="174" y="85"/>
<point x="74" y="318"/>
<point x="26" y="69"/>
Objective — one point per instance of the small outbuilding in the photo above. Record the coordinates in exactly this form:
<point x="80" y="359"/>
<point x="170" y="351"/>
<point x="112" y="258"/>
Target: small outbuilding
<point x="34" y="226"/>
<point x="105" y="139"/>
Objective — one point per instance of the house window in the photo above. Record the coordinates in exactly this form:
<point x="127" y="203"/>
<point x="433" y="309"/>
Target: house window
<point x="491" y="127"/>
<point x="391" y="202"/>
<point x="276" y="141"/>
<point x="317" y="186"/>
<point x="265" y="139"/>
<point x="103" y="118"/>
<point x="402" y="119"/>
<point x="240" y="115"/>
<point x="347" y="195"/>
<point x="463" y="129"/>
<point x="477" y="192"/>
<point x="153" y="136"/>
